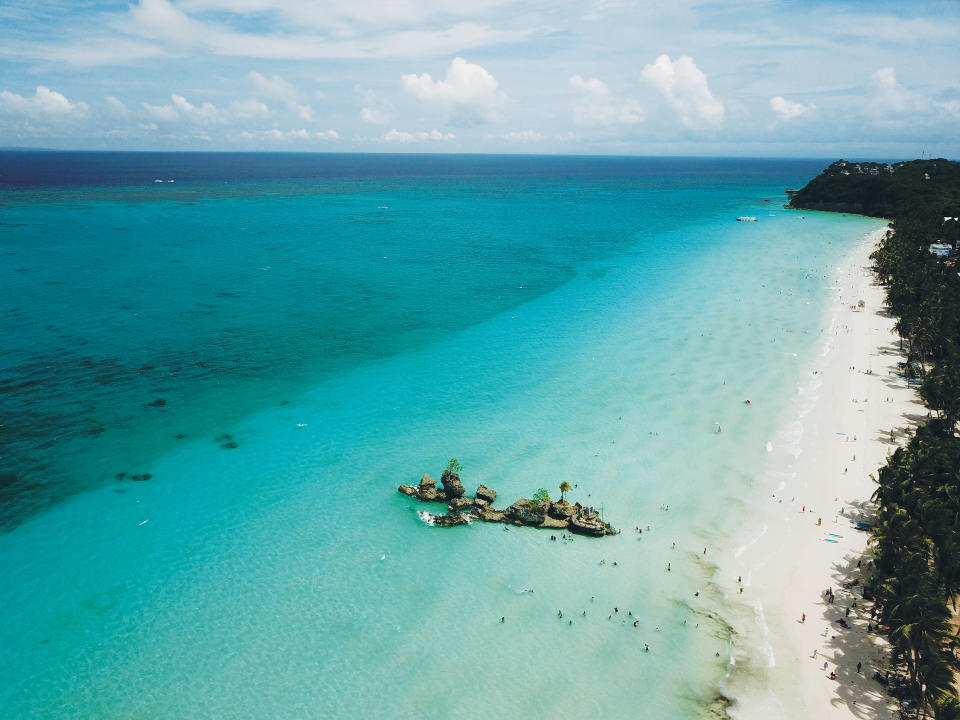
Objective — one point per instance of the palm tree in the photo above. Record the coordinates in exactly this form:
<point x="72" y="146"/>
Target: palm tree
<point x="565" y="487"/>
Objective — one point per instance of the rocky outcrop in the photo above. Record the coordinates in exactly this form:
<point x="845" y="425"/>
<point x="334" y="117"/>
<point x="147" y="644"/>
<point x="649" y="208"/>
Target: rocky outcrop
<point x="460" y="503"/>
<point x="428" y="494"/>
<point x="463" y="509"/>
<point x="528" y="512"/>
<point x="587" y="522"/>
<point x="488" y="514"/>
<point x="485" y="493"/>
<point x="554" y="524"/>
<point x="451" y="520"/>
<point x="562" y="510"/>
<point x="425" y="491"/>
<point x="451" y="484"/>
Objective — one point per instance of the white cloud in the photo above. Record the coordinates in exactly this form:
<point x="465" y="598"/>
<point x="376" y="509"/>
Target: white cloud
<point x="890" y="99"/>
<point x="248" y="109"/>
<point x="374" y="116"/>
<point x="787" y="109"/>
<point x="276" y="88"/>
<point x="593" y="86"/>
<point x="179" y="108"/>
<point x="341" y="17"/>
<point x="204" y="114"/>
<point x="375" y="110"/>
<point x="399" y="136"/>
<point x="950" y="107"/>
<point x="595" y="108"/>
<point x="469" y="92"/>
<point x="160" y="20"/>
<point x="685" y="88"/>
<point x="284" y="135"/>
<point x="523" y="136"/>
<point x="116" y="106"/>
<point x="45" y="104"/>
<point x="161" y="113"/>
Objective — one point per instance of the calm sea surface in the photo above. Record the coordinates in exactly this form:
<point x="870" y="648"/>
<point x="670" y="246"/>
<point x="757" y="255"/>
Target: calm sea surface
<point x="215" y="369"/>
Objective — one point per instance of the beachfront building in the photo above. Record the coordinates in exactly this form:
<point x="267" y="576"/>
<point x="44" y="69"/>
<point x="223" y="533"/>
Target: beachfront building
<point x="940" y="249"/>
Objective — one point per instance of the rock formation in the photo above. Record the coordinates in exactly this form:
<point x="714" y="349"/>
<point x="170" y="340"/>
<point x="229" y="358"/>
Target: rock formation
<point x="449" y="520"/>
<point x="451" y="484"/>
<point x="485" y="493"/>
<point x="562" y="510"/>
<point x="587" y="522"/>
<point x="462" y="509"/>
<point x="527" y="512"/>
<point x="460" y="503"/>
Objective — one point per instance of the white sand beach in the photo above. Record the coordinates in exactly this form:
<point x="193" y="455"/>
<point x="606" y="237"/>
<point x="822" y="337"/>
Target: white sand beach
<point x="855" y="399"/>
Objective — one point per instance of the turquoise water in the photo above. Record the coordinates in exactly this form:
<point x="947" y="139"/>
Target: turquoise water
<point x="348" y="327"/>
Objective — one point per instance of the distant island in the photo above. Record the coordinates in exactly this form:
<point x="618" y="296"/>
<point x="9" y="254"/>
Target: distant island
<point x="917" y="188"/>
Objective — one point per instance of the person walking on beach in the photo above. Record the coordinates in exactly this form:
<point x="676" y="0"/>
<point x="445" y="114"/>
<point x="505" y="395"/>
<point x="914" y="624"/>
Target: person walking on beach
<point x="803" y="617"/>
<point x="859" y="665"/>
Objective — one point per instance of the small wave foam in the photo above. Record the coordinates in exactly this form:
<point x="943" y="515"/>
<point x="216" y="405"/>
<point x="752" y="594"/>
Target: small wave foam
<point x="766" y="649"/>
<point x="740" y="550"/>
<point x="791" y="436"/>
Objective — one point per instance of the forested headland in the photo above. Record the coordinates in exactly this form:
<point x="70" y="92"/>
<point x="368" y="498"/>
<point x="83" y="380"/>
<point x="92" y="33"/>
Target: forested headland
<point x="917" y="533"/>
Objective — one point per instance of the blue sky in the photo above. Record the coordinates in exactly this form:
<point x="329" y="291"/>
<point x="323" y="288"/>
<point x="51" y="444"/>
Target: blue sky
<point x="754" y="77"/>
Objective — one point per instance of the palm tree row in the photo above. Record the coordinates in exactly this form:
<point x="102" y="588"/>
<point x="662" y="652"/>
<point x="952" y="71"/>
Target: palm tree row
<point x="917" y="538"/>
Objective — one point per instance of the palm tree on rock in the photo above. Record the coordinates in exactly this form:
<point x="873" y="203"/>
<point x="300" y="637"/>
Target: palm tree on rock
<point x="565" y="487"/>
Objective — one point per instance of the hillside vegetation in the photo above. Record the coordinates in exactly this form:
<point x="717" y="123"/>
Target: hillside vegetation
<point x="918" y="188"/>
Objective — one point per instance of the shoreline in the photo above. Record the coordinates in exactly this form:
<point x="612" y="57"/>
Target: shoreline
<point x="831" y="440"/>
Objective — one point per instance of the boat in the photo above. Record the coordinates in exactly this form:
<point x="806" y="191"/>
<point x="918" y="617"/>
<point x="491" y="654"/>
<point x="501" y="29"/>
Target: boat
<point x="746" y="218"/>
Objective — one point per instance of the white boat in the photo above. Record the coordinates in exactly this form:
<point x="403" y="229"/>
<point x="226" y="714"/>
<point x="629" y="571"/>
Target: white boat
<point x="746" y="218"/>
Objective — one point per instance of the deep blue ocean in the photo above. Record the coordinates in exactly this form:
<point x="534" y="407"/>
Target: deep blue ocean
<point x="215" y="369"/>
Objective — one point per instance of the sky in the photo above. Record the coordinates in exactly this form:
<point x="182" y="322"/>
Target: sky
<point x="785" y="78"/>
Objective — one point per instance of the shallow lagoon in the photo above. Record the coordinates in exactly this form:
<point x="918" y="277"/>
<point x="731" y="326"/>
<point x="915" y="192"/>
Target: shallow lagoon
<point x="587" y="320"/>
